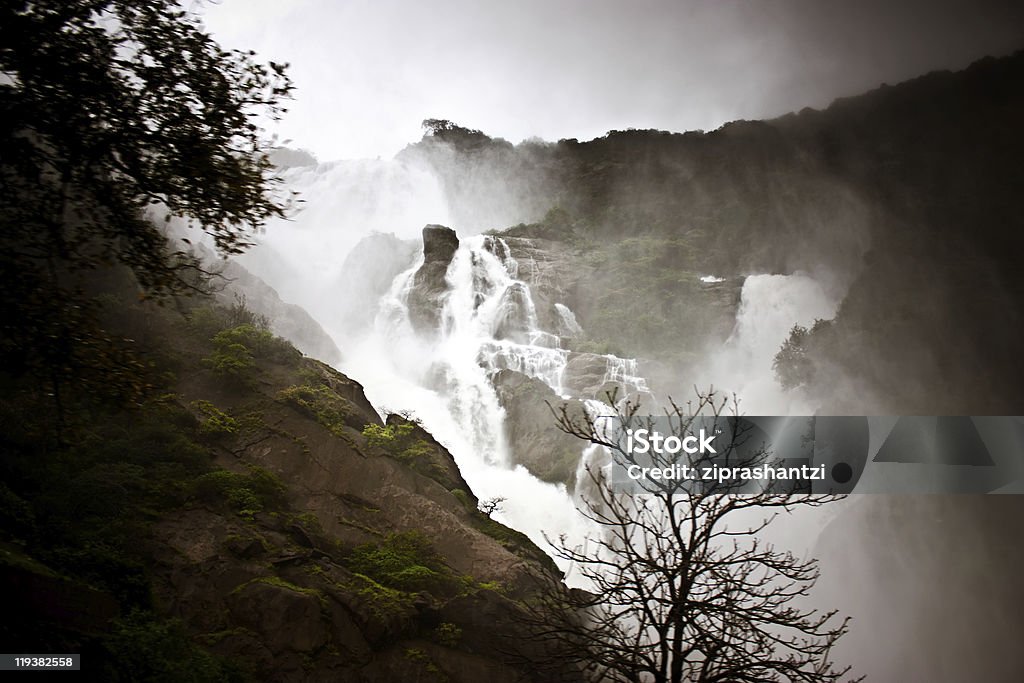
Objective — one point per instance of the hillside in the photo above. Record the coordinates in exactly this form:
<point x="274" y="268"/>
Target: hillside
<point x="902" y="200"/>
<point x="246" y="515"/>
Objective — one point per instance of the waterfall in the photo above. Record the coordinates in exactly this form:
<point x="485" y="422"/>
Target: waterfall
<point x="488" y="322"/>
<point x="769" y="307"/>
<point x="340" y="203"/>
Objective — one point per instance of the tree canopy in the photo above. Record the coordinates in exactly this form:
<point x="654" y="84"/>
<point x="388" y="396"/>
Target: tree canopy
<point x="110" y="108"/>
<point x="113" y="105"/>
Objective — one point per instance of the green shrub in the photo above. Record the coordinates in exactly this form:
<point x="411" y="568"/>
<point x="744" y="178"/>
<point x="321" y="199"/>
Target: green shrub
<point x="405" y="561"/>
<point x="320" y="402"/>
<point x="215" y="421"/>
<point x="447" y="634"/>
<point x="247" y="494"/>
<point x="231" y="359"/>
<point x="236" y="350"/>
<point x="261" y="342"/>
<point x="397" y="440"/>
<point x="142" y="648"/>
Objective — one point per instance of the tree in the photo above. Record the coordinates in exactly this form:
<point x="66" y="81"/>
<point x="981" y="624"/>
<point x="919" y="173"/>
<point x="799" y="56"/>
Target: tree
<point x="110" y="108"/>
<point x="681" y="587"/>
<point x="794" y="363"/>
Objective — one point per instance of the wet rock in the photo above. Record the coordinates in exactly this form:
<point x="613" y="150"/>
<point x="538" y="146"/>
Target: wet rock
<point x="429" y="284"/>
<point x="286" y="617"/>
<point x="366" y="276"/>
<point x="585" y="374"/>
<point x="535" y="440"/>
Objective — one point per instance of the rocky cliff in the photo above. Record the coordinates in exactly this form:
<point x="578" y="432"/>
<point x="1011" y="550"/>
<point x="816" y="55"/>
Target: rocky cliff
<point x="258" y="515"/>
<point x="905" y="197"/>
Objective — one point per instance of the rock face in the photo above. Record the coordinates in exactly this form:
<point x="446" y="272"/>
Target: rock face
<point x="554" y="273"/>
<point x="366" y="276"/>
<point x="279" y="589"/>
<point x="429" y="285"/>
<point x="536" y="442"/>
<point x="290" y="321"/>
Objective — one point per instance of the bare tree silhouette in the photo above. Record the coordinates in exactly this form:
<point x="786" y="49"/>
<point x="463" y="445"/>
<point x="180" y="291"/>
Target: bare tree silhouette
<point x="680" y="586"/>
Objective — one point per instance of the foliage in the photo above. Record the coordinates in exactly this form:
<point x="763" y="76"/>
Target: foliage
<point x="463" y="498"/>
<point x="384" y="600"/>
<point x="247" y="494"/>
<point x="404" y="561"/>
<point x="682" y="588"/>
<point x="215" y="422"/>
<point x="109" y="108"/>
<point x="236" y="350"/>
<point x="398" y="440"/>
<point x="793" y="364"/>
<point x="239" y="314"/>
<point x="231" y="359"/>
<point x="321" y="402"/>
<point x="447" y="634"/>
<point x="143" y="648"/>
<point x="259" y="341"/>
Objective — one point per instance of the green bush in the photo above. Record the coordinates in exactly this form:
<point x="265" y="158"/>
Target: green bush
<point x="247" y="494"/>
<point x="397" y="440"/>
<point x="142" y="648"/>
<point x="405" y="561"/>
<point x="447" y="634"/>
<point x="234" y="360"/>
<point x="215" y="421"/>
<point x="261" y="342"/>
<point x="237" y="348"/>
<point x="322" y="403"/>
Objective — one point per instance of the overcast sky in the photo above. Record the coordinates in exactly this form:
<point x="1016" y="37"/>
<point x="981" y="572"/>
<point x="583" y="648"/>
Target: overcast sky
<point x="368" y="71"/>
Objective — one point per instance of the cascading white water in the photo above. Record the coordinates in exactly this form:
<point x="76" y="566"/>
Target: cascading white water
<point x="341" y="202"/>
<point x="769" y="307"/>
<point x="488" y="323"/>
<point x="443" y="379"/>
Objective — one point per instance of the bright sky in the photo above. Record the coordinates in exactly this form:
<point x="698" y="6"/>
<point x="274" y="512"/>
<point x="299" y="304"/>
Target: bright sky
<point x="368" y="71"/>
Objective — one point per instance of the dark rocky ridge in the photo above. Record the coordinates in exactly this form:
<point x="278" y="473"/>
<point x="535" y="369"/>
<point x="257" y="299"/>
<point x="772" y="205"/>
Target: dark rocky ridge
<point x="268" y="577"/>
<point x="908" y="195"/>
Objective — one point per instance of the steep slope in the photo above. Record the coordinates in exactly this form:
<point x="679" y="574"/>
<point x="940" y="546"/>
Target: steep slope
<point x="252" y="517"/>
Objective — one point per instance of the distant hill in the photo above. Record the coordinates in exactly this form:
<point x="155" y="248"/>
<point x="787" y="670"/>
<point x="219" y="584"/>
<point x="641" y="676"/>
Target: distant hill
<point x="908" y="197"/>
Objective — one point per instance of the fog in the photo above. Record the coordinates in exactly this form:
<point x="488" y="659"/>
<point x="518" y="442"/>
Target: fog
<point x="368" y="72"/>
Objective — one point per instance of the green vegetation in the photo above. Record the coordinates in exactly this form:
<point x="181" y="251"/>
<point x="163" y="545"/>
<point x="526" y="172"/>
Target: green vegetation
<point x="142" y="648"/>
<point x="398" y="440"/>
<point x="404" y="561"/>
<point x="113" y="111"/>
<point x="247" y="494"/>
<point x="236" y="350"/>
<point x="215" y="422"/>
<point x="282" y="583"/>
<point x="322" y="403"/>
<point x="447" y="634"/>
<point x="647" y="299"/>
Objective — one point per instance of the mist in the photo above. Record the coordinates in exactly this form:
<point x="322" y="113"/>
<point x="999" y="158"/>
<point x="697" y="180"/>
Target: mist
<point x="822" y="242"/>
<point x="368" y="73"/>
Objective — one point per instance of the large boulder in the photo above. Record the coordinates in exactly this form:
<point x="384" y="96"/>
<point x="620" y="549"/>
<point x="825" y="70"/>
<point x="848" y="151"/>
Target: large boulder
<point x="429" y="284"/>
<point x="535" y="440"/>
